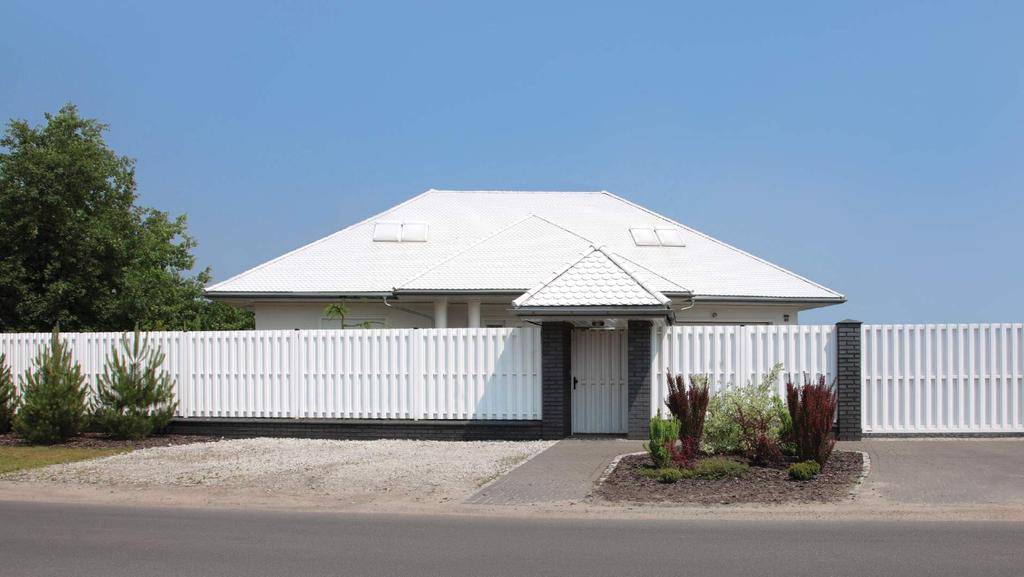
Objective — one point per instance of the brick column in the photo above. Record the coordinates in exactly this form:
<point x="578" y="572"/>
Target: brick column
<point x="556" y="404"/>
<point x="639" y="378"/>
<point x="848" y="381"/>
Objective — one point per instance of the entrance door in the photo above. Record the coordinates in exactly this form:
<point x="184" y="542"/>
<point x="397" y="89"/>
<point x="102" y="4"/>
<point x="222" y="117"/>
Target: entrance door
<point x="599" y="377"/>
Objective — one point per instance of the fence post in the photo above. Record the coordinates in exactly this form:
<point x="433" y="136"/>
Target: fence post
<point x="848" y="379"/>
<point x="295" y="374"/>
<point x="638" y="335"/>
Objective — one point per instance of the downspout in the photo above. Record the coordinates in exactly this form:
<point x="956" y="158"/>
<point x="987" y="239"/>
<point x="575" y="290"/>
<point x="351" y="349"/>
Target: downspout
<point x="408" y="310"/>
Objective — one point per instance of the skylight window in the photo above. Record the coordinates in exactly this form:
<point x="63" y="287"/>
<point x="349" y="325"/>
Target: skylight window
<point x="400" y="232"/>
<point x="657" y="237"/>
<point x="669" y="236"/>
<point x="414" y="232"/>
<point x="644" y="237"/>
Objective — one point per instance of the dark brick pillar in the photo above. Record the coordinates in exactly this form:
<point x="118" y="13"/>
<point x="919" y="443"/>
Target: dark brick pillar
<point x="848" y="349"/>
<point x="556" y="404"/>
<point x="639" y="396"/>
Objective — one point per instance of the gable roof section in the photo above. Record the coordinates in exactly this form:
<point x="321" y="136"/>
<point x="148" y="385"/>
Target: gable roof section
<point x="467" y="250"/>
<point x="594" y="279"/>
<point x="513" y="259"/>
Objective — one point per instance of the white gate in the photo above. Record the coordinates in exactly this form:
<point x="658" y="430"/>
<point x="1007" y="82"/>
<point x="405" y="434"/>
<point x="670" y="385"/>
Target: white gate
<point x="599" y="381"/>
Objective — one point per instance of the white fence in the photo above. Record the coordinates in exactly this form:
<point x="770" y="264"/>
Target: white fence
<point x="942" y="378"/>
<point x="341" y="374"/>
<point x="739" y="355"/>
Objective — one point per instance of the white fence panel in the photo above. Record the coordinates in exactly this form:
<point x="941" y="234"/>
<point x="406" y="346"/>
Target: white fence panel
<point x="950" y="378"/>
<point x="733" y="355"/>
<point x="337" y="374"/>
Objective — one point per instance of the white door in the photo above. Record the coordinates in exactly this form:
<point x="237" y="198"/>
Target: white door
<point x="599" y="376"/>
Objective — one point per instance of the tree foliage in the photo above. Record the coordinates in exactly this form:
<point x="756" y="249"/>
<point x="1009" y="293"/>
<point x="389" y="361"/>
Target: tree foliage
<point x="8" y="396"/>
<point x="135" y="395"/>
<point x="78" y="250"/>
<point x="53" y="396"/>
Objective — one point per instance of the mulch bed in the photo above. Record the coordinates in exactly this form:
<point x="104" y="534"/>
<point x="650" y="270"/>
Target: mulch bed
<point x="760" y="485"/>
<point x="103" y="441"/>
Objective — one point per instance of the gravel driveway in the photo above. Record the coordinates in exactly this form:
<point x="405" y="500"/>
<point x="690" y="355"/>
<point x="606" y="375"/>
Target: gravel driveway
<point x="416" y="470"/>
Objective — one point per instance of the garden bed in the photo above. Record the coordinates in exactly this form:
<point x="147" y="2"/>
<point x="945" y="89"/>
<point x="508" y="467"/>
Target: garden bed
<point x="770" y="485"/>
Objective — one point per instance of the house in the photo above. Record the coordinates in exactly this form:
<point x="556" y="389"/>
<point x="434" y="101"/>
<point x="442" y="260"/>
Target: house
<point x="446" y="259"/>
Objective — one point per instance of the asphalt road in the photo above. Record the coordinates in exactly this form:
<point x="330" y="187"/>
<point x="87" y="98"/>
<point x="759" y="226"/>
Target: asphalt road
<point x="76" y="540"/>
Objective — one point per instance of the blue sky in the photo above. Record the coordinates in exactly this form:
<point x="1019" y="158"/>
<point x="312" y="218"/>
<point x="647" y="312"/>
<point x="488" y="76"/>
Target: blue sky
<point x="875" y="147"/>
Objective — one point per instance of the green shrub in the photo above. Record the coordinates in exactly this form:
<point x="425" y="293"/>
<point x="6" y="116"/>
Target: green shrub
<point x="8" y="396"/>
<point x="755" y="405"/>
<point x="662" y="474"/>
<point x="804" y="471"/>
<point x="714" y="468"/>
<point x="135" y="396"/>
<point x="662" y="434"/>
<point x="53" y="406"/>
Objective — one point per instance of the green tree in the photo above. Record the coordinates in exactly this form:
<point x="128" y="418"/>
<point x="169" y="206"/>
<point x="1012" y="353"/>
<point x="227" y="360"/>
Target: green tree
<point x="8" y="396"/>
<point x="53" y="406"/>
<point x="79" y="252"/>
<point x="135" y="395"/>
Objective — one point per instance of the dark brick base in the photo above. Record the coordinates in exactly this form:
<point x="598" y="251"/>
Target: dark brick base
<point x="360" y="429"/>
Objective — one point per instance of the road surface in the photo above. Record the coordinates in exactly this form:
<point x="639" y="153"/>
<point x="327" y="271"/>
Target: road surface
<point x="78" y="540"/>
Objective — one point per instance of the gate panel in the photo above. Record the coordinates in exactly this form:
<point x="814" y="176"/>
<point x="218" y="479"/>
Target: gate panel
<point x="600" y="374"/>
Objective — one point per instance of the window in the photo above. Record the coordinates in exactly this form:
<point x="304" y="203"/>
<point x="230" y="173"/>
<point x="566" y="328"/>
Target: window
<point x="400" y="232"/>
<point x="414" y="232"/>
<point x="387" y="232"/>
<point x="669" y="236"/>
<point x="661" y="236"/>
<point x="644" y="236"/>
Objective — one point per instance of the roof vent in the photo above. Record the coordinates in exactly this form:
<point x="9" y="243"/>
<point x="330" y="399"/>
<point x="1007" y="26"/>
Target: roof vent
<point x="657" y="236"/>
<point x="400" y="232"/>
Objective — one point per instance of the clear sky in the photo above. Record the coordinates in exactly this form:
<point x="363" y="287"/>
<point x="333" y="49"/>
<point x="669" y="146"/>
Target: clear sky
<point x="874" y="147"/>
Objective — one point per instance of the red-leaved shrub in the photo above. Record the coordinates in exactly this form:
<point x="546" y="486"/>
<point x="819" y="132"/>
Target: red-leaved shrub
<point x="812" y="408"/>
<point x="689" y="405"/>
<point x="683" y="453"/>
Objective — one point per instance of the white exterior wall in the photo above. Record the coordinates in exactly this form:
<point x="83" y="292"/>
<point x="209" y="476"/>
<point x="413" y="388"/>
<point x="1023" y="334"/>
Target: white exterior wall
<point x="401" y="315"/>
<point x="281" y="315"/>
<point x="718" y="314"/>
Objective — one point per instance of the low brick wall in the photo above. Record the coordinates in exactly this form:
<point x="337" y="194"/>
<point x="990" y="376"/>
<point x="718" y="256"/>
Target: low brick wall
<point x="360" y="429"/>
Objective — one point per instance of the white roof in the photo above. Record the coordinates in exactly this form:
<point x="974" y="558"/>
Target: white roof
<point x="510" y="241"/>
<point x="595" y="279"/>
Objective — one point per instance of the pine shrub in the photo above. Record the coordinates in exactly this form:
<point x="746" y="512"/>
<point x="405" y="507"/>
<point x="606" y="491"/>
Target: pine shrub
<point x="8" y="396"/>
<point x="661" y="434"/>
<point x="689" y="405"/>
<point x="53" y="397"/>
<point x="715" y="468"/>
<point x="135" y="396"/>
<point x="812" y="408"/>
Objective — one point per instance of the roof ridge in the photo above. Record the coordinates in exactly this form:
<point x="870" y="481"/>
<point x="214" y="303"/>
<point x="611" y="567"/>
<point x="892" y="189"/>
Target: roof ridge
<point x="657" y="274"/>
<point x="654" y="293"/>
<point x="553" y="277"/>
<point x="513" y="191"/>
<point x="721" y="243"/>
<point x="484" y="239"/>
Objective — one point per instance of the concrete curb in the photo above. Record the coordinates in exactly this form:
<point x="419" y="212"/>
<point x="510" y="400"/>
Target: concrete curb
<point x="611" y="467"/>
<point x="864" y="470"/>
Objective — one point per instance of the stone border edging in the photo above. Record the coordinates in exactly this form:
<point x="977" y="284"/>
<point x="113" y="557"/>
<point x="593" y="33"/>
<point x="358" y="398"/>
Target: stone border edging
<point x="864" y="470"/>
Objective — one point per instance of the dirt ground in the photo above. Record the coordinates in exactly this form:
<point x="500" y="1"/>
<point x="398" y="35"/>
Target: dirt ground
<point x="759" y="485"/>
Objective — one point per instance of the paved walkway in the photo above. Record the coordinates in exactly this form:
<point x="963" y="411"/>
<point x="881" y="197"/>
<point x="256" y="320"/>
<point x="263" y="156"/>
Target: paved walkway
<point x="565" y="472"/>
<point x="945" y="471"/>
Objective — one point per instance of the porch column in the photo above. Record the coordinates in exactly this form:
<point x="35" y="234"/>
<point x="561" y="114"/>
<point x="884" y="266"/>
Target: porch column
<point x="638" y="398"/>
<point x="556" y="404"/>
<point x="441" y="313"/>
<point x="473" y="314"/>
<point x="848" y="380"/>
